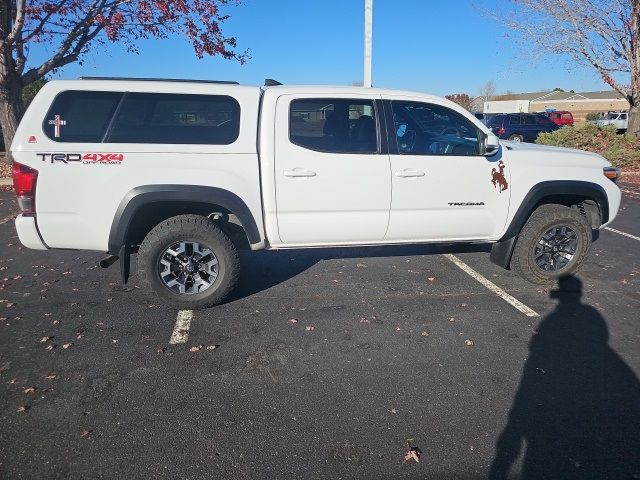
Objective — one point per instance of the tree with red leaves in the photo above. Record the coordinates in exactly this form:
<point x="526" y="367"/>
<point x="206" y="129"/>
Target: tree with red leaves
<point x="461" y="99"/>
<point x="601" y="34"/>
<point x="71" y="27"/>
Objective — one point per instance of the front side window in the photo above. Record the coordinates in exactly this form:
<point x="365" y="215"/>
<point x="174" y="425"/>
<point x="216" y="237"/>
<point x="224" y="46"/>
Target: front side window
<point x="80" y="116"/>
<point x="334" y="125"/>
<point x="426" y="129"/>
<point x="176" y="119"/>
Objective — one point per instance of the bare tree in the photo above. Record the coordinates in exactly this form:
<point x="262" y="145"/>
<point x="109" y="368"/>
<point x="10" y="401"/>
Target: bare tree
<point x="602" y="34"/>
<point x="487" y="91"/>
<point x="71" y="27"/>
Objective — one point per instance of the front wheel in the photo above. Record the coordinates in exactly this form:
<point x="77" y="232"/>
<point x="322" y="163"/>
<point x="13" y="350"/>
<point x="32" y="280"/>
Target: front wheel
<point x="516" y="138"/>
<point x="187" y="262"/>
<point x="552" y="244"/>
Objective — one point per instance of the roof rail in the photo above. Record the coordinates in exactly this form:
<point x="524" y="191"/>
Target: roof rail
<point x="135" y="79"/>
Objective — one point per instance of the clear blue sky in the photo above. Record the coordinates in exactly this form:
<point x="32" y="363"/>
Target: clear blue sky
<point x="423" y="45"/>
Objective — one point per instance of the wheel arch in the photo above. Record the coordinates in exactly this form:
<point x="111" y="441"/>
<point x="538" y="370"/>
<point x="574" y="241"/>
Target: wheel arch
<point x="590" y="198"/>
<point x="177" y="199"/>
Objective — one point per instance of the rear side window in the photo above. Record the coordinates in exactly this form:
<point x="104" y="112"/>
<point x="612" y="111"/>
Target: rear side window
<point x="177" y="119"/>
<point x="334" y="125"/>
<point x="496" y="121"/>
<point x="80" y="116"/>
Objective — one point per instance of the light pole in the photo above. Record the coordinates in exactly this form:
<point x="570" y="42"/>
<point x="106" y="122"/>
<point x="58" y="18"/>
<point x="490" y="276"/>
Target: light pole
<point x="368" y="32"/>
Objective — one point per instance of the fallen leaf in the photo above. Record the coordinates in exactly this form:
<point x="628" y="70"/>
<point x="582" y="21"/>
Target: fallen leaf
<point x="50" y="347"/>
<point x="161" y="350"/>
<point x="424" y="334"/>
<point x="56" y="322"/>
<point x="309" y="328"/>
<point x="10" y="304"/>
<point x="51" y="376"/>
<point x="46" y="339"/>
<point x="212" y="347"/>
<point x="86" y="433"/>
<point x="29" y="390"/>
<point x="468" y="342"/>
<point x="431" y="279"/>
<point x="13" y="381"/>
<point x="413" y="454"/>
<point x="67" y="346"/>
<point x="196" y="348"/>
<point x="293" y="320"/>
<point x="393" y="411"/>
<point x="361" y="265"/>
<point x="23" y="408"/>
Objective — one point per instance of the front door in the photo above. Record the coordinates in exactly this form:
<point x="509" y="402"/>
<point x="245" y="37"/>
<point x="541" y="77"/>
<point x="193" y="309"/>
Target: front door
<point x="333" y="182"/>
<point x="443" y="188"/>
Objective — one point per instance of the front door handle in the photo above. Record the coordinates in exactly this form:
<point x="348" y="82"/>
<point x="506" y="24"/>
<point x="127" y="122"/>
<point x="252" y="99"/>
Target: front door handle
<point x="299" y="172"/>
<point x="408" y="172"/>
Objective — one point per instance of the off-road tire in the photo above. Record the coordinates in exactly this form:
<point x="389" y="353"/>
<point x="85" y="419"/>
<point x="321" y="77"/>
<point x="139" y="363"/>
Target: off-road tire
<point x="542" y="220"/>
<point x="190" y="228"/>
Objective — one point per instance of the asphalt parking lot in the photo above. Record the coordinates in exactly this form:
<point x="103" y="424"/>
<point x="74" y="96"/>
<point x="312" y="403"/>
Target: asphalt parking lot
<point x="324" y="364"/>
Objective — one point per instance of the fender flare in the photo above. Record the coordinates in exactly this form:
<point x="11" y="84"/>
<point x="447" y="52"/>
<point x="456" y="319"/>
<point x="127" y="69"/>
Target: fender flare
<point x="148" y="194"/>
<point x="502" y="250"/>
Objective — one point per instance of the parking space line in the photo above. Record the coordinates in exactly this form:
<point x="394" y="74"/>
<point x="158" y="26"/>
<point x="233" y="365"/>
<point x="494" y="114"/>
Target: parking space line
<point x="492" y="286"/>
<point x="622" y="233"/>
<point x="181" y="329"/>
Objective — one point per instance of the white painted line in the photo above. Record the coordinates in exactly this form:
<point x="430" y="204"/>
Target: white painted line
<point x="493" y="287"/>
<point x="622" y="233"/>
<point x="181" y="329"/>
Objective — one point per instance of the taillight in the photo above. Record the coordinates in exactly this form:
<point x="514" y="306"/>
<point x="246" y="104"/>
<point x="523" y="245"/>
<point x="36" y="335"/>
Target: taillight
<point x="612" y="173"/>
<point x="24" y="183"/>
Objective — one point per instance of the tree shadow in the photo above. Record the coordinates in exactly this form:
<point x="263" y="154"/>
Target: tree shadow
<point x="576" y="413"/>
<point x="264" y="269"/>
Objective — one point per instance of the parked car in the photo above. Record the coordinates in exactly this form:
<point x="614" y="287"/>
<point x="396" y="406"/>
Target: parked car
<point x="521" y="127"/>
<point x="619" y="120"/>
<point x="172" y="170"/>
<point x="483" y="117"/>
<point x="561" y="118"/>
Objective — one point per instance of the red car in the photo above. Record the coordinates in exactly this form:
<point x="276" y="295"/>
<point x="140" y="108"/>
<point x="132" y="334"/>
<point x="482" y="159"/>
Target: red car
<point x="560" y="118"/>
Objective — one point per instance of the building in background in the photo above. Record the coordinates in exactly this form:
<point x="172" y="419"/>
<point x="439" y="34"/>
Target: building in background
<point x="579" y="104"/>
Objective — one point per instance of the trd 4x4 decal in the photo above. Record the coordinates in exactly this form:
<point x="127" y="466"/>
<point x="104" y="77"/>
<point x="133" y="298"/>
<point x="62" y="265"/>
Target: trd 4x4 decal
<point x="497" y="177"/>
<point x="85" y="158"/>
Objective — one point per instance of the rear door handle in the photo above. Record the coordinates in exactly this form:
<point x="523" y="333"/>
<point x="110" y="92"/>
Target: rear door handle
<point x="299" y="172"/>
<point x="407" y="172"/>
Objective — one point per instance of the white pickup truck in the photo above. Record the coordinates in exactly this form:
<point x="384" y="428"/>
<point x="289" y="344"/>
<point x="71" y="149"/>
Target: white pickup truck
<point x="174" y="170"/>
<point x="620" y="120"/>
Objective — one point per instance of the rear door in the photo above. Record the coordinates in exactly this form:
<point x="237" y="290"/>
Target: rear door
<point x="333" y="181"/>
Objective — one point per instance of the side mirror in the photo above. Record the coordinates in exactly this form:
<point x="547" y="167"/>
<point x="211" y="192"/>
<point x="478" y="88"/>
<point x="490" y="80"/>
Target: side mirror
<point x="491" y="145"/>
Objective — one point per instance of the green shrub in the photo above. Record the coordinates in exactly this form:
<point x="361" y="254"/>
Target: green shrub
<point x="594" y="116"/>
<point x="620" y="150"/>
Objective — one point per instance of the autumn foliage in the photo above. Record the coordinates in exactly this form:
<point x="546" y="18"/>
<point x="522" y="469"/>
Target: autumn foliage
<point x="71" y="27"/>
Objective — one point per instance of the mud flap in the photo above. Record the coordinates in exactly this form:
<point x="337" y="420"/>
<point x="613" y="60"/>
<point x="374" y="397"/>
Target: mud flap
<point x="125" y="264"/>
<point x="502" y="251"/>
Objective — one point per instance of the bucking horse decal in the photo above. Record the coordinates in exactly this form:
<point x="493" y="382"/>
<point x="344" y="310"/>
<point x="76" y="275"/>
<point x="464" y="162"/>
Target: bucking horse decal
<point x="497" y="177"/>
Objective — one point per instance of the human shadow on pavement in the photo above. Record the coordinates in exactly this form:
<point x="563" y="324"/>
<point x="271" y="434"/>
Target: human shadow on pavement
<point x="576" y="414"/>
<point x="265" y="269"/>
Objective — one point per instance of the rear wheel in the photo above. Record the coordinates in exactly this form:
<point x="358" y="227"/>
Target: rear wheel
<point x="516" y="138"/>
<point x="553" y="244"/>
<point x="187" y="262"/>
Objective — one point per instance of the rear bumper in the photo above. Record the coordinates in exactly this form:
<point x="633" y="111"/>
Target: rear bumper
<point x="28" y="233"/>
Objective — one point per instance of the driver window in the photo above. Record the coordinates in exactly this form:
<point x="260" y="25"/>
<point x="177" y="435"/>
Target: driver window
<point x="426" y="129"/>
